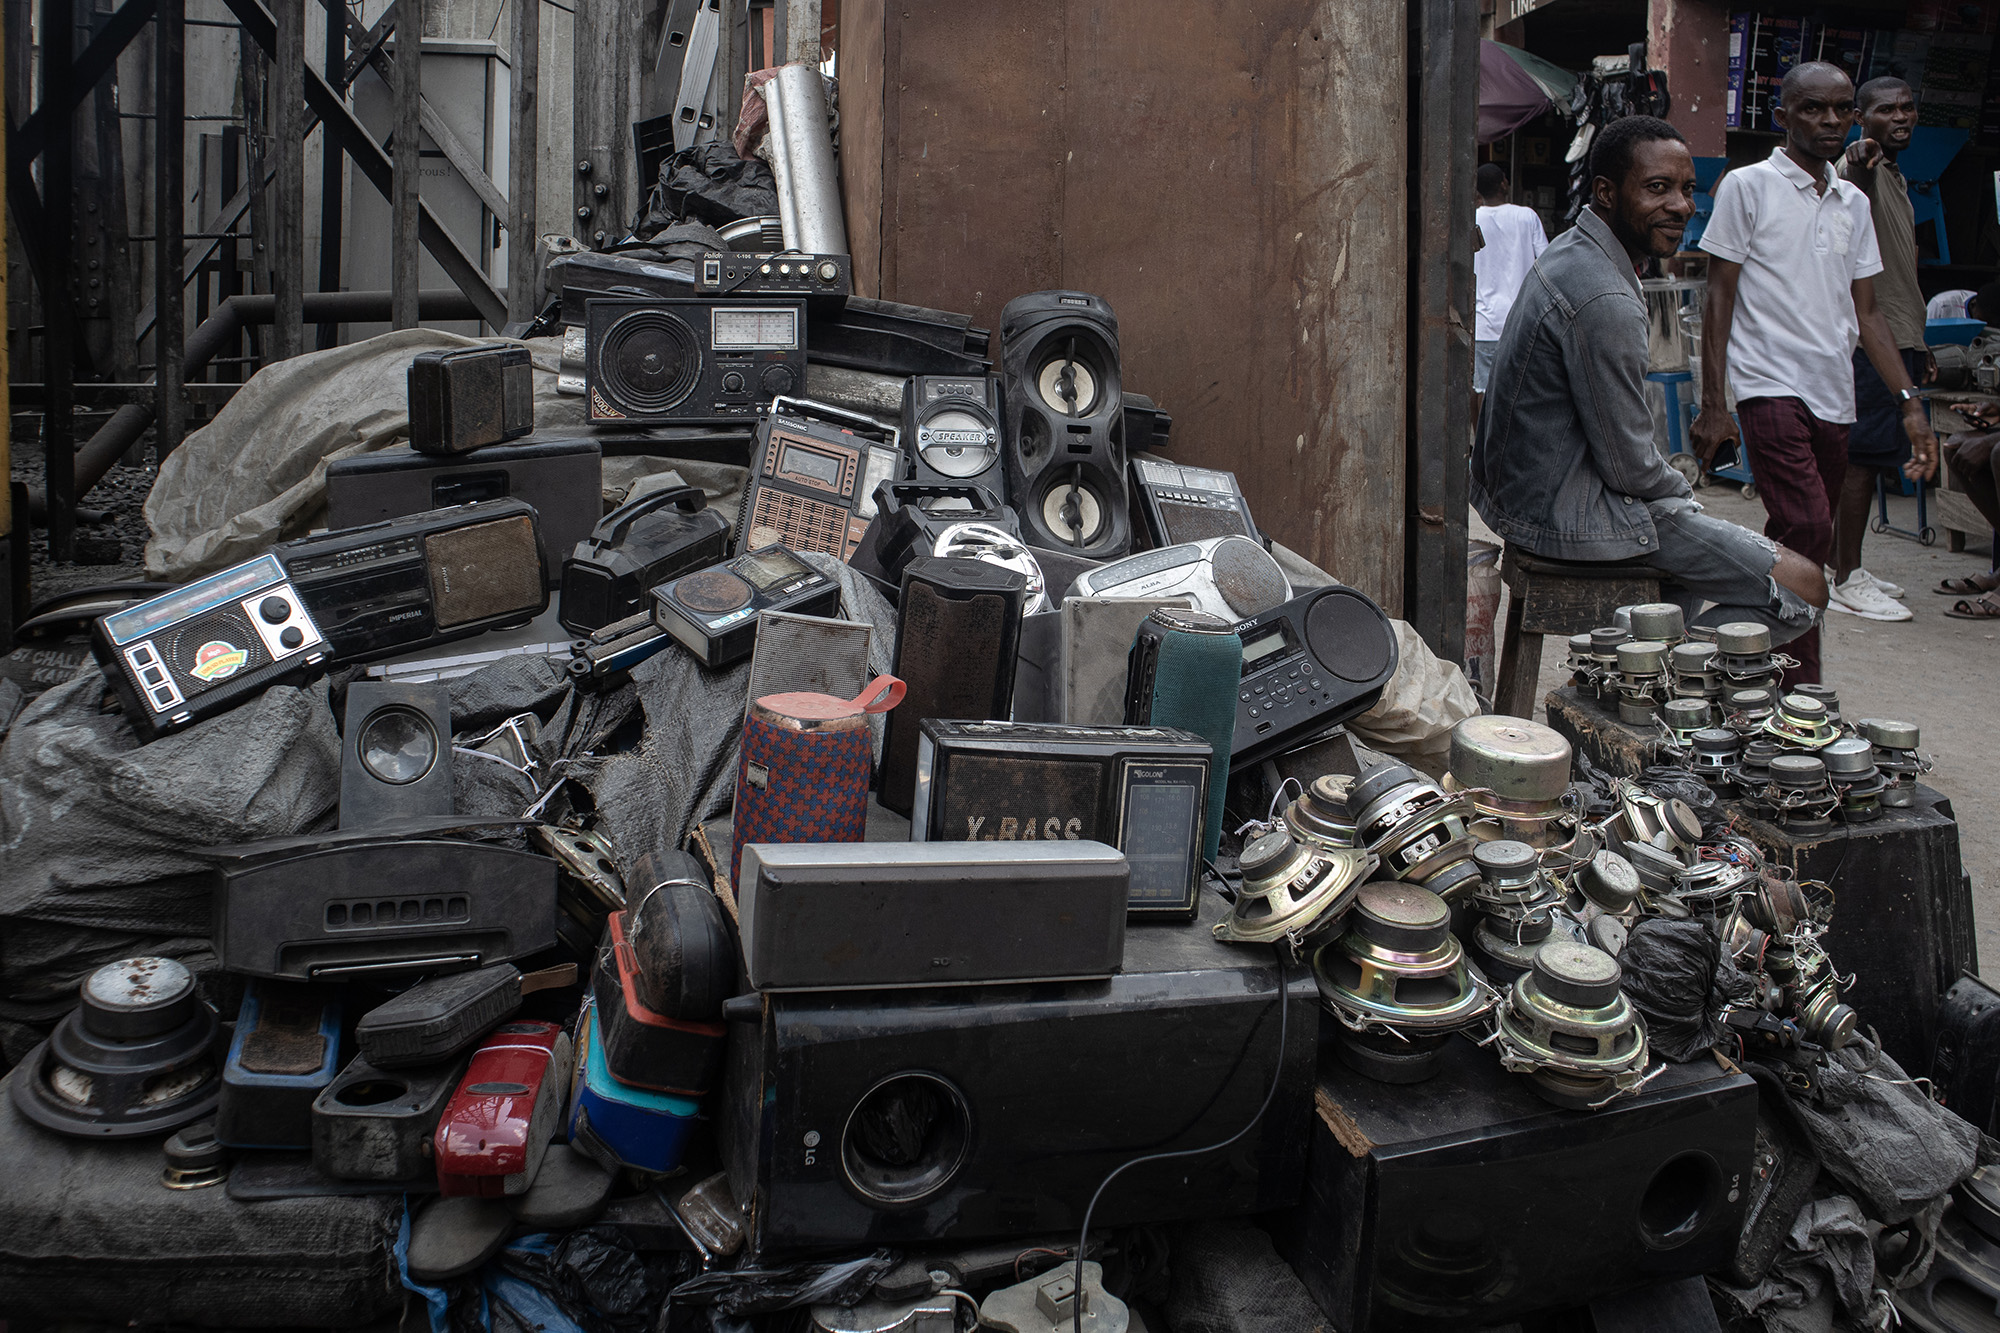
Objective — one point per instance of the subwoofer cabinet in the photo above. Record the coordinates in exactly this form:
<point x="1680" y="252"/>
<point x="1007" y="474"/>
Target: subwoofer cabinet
<point x="1467" y="1201"/>
<point x="865" y="1118"/>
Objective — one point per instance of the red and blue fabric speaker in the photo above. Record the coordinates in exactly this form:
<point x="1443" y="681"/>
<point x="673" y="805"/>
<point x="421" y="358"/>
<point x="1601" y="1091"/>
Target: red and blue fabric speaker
<point x="805" y="765"/>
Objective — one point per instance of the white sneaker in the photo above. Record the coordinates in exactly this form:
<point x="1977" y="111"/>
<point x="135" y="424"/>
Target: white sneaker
<point x="1881" y="585"/>
<point x="1860" y="597"/>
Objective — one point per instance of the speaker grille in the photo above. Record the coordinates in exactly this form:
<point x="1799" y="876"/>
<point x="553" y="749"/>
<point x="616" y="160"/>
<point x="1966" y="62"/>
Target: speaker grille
<point x="232" y="647"/>
<point x="1248" y="579"/>
<point x="1193" y="523"/>
<point x="1348" y="635"/>
<point x="484" y="569"/>
<point x="650" y="361"/>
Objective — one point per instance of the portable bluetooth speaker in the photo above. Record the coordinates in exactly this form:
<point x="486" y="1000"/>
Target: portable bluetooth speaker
<point x="803" y="774"/>
<point x="1183" y="672"/>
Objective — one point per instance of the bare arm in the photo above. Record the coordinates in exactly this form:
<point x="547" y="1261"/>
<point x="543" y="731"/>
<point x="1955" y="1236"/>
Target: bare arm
<point x="1880" y="345"/>
<point x="1713" y="427"/>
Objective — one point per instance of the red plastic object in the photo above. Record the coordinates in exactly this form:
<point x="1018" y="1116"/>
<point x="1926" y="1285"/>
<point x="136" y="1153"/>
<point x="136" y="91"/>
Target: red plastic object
<point x="641" y="1047"/>
<point x="497" y="1126"/>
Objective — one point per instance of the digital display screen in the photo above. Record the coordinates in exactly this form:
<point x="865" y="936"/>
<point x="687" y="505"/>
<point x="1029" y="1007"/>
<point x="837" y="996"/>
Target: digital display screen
<point x="229" y="586"/>
<point x="1160" y="827"/>
<point x="766" y="569"/>
<point x="751" y="328"/>
<point x="810" y="463"/>
<point x="1264" y="645"/>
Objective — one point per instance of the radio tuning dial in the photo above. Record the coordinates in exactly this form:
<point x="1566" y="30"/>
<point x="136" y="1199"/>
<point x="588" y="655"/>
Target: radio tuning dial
<point x="777" y="380"/>
<point x="732" y="382"/>
<point x="291" y="636"/>
<point x="275" y="610"/>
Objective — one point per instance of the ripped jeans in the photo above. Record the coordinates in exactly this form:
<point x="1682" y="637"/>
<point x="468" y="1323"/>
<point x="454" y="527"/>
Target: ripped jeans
<point x="1717" y="561"/>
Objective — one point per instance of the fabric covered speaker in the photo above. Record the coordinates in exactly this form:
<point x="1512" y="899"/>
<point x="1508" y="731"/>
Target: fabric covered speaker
<point x="395" y="753"/>
<point x="958" y="638"/>
<point x="1183" y="672"/>
<point x="1064" y="442"/>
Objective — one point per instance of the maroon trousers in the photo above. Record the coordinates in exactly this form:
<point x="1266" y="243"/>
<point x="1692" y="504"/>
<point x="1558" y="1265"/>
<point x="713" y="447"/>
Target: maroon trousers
<point x="1799" y="462"/>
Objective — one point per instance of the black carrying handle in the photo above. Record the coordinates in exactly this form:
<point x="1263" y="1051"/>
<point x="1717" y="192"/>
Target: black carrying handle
<point x="624" y="515"/>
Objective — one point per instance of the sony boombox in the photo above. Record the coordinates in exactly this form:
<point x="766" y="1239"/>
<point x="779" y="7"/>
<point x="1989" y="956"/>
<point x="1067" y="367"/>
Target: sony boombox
<point x="205" y="648"/>
<point x="818" y="278"/>
<point x="408" y="583"/>
<point x="1308" y="666"/>
<point x="562" y="477"/>
<point x="869" y="1118"/>
<point x="813" y="479"/>
<point x="710" y="359"/>
<point x="1143" y="790"/>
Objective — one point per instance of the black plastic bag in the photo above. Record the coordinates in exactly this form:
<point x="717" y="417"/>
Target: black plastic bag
<point x="708" y="183"/>
<point x="761" y="1290"/>
<point x="1670" y="969"/>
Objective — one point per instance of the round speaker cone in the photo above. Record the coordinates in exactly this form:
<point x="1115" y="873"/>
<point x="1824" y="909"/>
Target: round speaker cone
<point x="955" y="443"/>
<point x="1577" y="974"/>
<point x="1247" y="577"/>
<point x="138" y="997"/>
<point x="1350" y="636"/>
<point x="906" y="1139"/>
<point x="650" y="360"/>
<point x="713" y="591"/>
<point x="1073" y="512"/>
<point x="397" y="745"/>
<point x="1068" y="387"/>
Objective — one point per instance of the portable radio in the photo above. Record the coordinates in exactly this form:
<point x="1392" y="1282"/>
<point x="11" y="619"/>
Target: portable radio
<point x="1140" y="789"/>
<point x="191" y="654"/>
<point x="812" y="481"/>
<point x="1187" y="504"/>
<point x="469" y="397"/>
<point x="913" y="517"/>
<point x="691" y="360"/>
<point x="1229" y="577"/>
<point x="1308" y="666"/>
<point x="638" y="546"/>
<point x="1184" y="670"/>
<point x="713" y="612"/>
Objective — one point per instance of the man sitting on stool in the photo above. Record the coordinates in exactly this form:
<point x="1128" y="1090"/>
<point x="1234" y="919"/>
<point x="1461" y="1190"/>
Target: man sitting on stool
<point x="1564" y="465"/>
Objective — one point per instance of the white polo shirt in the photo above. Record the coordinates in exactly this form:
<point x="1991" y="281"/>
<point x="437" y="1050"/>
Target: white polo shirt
<point x="1794" y="330"/>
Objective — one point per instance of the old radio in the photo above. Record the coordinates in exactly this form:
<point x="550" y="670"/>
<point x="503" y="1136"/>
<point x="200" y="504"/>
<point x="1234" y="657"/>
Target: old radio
<point x="469" y="397"/>
<point x="202" y="650"/>
<point x="813" y="479"/>
<point x="951" y="428"/>
<point x="819" y="278"/>
<point x="638" y="546"/>
<point x="1187" y="504"/>
<point x="1230" y="577"/>
<point x="426" y="579"/>
<point x="1143" y="790"/>
<point x="709" y="359"/>
<point x="1309" y="665"/>
<point x="713" y="612"/>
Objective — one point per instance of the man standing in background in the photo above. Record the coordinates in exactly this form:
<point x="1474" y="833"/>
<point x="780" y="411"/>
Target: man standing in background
<point x="1876" y="445"/>
<point x="1514" y="240"/>
<point x="1791" y="284"/>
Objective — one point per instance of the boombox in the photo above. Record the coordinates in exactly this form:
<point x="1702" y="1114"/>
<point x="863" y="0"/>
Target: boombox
<point x="715" y="359"/>
<point x="1064" y="428"/>
<point x="1308" y="666"/>
<point x="818" y="278"/>
<point x="812" y="479"/>
<point x="473" y="396"/>
<point x="562" y="478"/>
<point x="204" y="649"/>
<point x="886" y="1118"/>
<point x="635" y="548"/>
<point x="408" y="583"/>
<point x="330" y="906"/>
<point x="951" y="427"/>
<point x="1467" y="1201"/>
<point x="1141" y="789"/>
<point x="1230" y="577"/>
<point x="713" y="612"/>
<point x="1189" y="504"/>
<point x="914" y="518"/>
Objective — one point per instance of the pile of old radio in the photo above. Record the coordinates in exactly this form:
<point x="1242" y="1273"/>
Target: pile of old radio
<point x="1098" y="663"/>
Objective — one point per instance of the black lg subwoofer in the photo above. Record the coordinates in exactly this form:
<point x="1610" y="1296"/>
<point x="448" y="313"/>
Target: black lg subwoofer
<point x="1064" y="442"/>
<point x="395" y="753"/>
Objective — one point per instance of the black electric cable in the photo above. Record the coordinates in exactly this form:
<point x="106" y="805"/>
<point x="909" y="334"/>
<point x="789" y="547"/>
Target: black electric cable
<point x="1270" y="1094"/>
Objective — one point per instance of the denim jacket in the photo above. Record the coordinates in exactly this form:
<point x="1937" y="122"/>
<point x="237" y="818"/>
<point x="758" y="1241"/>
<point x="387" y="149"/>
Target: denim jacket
<point x="1564" y="462"/>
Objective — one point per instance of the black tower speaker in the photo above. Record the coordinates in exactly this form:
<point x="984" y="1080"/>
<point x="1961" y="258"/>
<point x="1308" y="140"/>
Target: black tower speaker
<point x="958" y="638"/>
<point x="395" y="753"/>
<point x="1064" y="441"/>
<point x="889" y="1117"/>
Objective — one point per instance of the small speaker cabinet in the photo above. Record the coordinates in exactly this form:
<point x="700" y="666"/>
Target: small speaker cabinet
<point x="395" y="753"/>
<point x="1064" y="424"/>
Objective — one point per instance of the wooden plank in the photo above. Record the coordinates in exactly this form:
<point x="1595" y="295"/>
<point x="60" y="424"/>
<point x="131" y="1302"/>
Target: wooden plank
<point x="58" y="33"/>
<point x="606" y="36"/>
<point x="524" y="159"/>
<point x="862" y="33"/>
<point x="288" y="194"/>
<point x="405" y="271"/>
<point x="169" y="222"/>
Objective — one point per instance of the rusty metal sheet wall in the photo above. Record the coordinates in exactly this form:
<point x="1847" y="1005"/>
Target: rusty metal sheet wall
<point x="1229" y="174"/>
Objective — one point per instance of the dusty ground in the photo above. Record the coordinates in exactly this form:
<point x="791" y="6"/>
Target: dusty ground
<point x="1932" y="670"/>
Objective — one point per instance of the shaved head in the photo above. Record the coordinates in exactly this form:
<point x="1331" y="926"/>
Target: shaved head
<point x="1880" y="90"/>
<point x="1809" y="75"/>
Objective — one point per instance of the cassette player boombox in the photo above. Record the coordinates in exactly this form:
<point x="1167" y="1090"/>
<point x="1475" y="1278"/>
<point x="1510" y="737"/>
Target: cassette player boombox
<point x="694" y="359"/>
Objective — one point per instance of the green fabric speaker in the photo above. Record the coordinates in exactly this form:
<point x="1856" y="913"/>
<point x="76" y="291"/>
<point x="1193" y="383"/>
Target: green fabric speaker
<point x="1182" y="672"/>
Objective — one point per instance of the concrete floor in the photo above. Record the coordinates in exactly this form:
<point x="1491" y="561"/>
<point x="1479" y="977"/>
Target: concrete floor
<point x="1935" y="671"/>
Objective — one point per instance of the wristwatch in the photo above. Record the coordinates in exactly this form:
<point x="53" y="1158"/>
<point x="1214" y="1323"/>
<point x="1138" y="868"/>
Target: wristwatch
<point x="1909" y="395"/>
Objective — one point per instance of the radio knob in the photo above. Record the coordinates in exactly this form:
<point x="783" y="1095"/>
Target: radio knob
<point x="777" y="379"/>
<point x="732" y="382"/>
<point x="291" y="636"/>
<point x="784" y="268"/>
<point x="828" y="271"/>
<point x="275" y="610"/>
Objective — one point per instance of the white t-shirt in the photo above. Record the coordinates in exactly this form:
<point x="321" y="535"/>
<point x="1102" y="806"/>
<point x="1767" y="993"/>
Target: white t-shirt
<point x="1514" y="239"/>
<point x="1949" y="305"/>
<point x="1794" y="330"/>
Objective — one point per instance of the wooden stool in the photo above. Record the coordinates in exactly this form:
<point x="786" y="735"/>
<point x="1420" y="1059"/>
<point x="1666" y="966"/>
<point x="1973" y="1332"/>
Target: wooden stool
<point x="1557" y="597"/>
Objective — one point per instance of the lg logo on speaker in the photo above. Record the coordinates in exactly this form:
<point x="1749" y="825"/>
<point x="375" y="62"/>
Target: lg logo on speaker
<point x="812" y="1142"/>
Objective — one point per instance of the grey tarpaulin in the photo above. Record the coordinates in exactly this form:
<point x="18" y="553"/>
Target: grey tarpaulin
<point x="1892" y="1147"/>
<point x="257" y="473"/>
<point x="1228" y="1278"/>
<point x="1828" y="1260"/>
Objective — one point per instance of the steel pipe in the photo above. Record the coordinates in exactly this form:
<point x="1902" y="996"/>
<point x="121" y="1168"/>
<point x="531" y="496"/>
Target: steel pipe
<point x="802" y="162"/>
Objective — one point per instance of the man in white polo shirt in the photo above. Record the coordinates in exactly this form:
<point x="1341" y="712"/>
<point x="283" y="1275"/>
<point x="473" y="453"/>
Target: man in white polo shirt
<point x="1790" y="287"/>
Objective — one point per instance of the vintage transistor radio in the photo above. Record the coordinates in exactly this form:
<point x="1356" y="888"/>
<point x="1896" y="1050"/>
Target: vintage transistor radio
<point x="205" y="648"/>
<point x="425" y="579"/>
<point x="819" y="278"/>
<point x="661" y="360"/>
<point x="1230" y="577"/>
<point x="284" y="1053"/>
<point x="812" y="479"/>
<point x="1143" y="790"/>
<point x="951" y="428"/>
<point x="469" y="397"/>
<point x="713" y="612"/>
<point x="496" y="1128"/>
<point x="638" y="546"/>
<point x="1188" y="504"/>
<point x="1309" y="665"/>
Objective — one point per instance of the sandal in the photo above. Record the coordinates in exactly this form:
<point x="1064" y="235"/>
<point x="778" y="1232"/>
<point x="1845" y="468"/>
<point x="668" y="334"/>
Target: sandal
<point x="1969" y="587"/>
<point x="1974" y="608"/>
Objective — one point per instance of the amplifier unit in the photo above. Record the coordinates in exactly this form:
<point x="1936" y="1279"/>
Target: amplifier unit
<point x="1141" y="789"/>
<point x="886" y="1118"/>
<point x="1308" y="666"/>
<point x="812" y="482"/>
<point x="330" y="906"/>
<point x="460" y="400"/>
<point x="1188" y="504"/>
<point x="635" y="548"/>
<point x="207" y="647"/>
<point x="716" y="359"/>
<point x="1467" y="1201"/>
<point x="430" y="578"/>
<point x="1064" y="428"/>
<point x="818" y="278"/>
<point x="562" y="478"/>
<point x="951" y="427"/>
